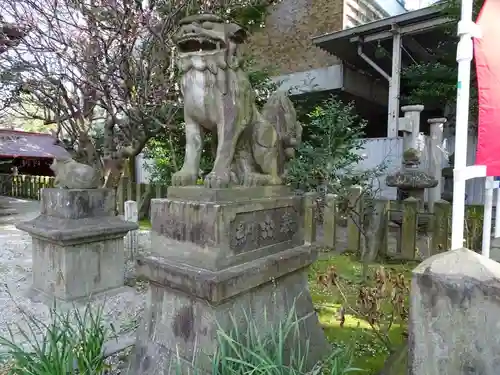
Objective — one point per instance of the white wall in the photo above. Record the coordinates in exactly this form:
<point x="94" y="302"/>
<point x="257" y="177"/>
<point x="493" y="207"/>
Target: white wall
<point x="142" y="175"/>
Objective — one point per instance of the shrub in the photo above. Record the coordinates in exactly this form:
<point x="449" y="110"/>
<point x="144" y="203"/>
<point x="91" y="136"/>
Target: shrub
<point x="327" y="160"/>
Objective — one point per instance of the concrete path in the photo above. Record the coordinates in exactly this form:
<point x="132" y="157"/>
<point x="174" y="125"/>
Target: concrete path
<point x="26" y="209"/>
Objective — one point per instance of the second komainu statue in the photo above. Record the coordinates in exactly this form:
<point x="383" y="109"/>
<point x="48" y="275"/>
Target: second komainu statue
<point x="252" y="146"/>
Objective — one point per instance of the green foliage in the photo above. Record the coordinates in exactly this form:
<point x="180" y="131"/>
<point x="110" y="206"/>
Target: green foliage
<point x="247" y="13"/>
<point x="330" y="151"/>
<point x="434" y="84"/>
<point x="71" y="341"/>
<point x="474" y="218"/>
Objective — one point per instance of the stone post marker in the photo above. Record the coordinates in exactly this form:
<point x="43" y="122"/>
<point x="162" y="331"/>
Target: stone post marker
<point x="436" y="159"/>
<point x="131" y="214"/>
<point x="454" y="312"/>
<point x="410" y="125"/>
<point x="77" y="244"/>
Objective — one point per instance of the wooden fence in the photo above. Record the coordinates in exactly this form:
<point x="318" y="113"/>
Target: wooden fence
<point x="25" y="186"/>
<point x="407" y="229"/>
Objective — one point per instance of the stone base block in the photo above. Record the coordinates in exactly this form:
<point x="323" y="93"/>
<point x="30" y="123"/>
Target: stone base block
<point x="187" y="306"/>
<point x="453" y="321"/>
<point x="78" y="248"/>
<point x="495" y="249"/>
<point x="70" y="272"/>
<point x="218" y="228"/>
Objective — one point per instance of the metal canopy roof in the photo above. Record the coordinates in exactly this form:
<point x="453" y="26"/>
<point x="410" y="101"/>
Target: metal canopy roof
<point x="419" y="29"/>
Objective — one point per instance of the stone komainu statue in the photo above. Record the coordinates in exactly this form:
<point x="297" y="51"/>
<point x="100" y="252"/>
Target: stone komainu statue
<point x="70" y="174"/>
<point x="252" y="147"/>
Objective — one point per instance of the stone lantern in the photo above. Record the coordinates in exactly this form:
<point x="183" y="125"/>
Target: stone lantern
<point x="411" y="180"/>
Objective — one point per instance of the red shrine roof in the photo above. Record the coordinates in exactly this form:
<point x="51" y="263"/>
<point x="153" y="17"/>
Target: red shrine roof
<point x="15" y="143"/>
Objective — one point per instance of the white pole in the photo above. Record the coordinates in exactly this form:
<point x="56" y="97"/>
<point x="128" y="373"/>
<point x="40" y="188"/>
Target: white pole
<point x="488" y="214"/>
<point x="436" y="159"/>
<point x="394" y="85"/>
<point x="464" y="58"/>
<point x="497" y="211"/>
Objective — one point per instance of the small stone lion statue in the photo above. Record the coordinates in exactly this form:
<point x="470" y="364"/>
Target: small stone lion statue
<point x="70" y="174"/>
<point x="252" y="145"/>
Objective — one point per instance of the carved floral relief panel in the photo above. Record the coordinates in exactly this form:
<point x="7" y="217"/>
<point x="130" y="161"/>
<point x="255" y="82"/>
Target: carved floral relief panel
<point x="252" y="230"/>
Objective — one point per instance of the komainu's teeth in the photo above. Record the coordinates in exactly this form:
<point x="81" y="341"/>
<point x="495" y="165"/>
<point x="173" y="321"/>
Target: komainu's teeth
<point x="217" y="45"/>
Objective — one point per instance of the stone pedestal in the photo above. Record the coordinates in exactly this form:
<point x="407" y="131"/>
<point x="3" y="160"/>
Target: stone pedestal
<point x="454" y="309"/>
<point x="495" y="249"/>
<point x="222" y="256"/>
<point x="78" y="246"/>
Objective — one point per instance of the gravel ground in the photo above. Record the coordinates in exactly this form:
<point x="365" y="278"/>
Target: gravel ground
<point x="123" y="310"/>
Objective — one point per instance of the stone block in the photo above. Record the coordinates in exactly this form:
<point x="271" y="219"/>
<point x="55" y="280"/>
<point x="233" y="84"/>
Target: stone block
<point x="218" y="228"/>
<point x="223" y="258"/>
<point x="454" y="311"/>
<point x="78" y="203"/>
<point x="77" y="244"/>
<point x="495" y="249"/>
<point x="187" y="306"/>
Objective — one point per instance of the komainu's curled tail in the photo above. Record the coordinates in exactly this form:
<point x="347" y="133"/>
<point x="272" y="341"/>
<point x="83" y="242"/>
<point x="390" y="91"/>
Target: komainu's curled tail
<point x="280" y="112"/>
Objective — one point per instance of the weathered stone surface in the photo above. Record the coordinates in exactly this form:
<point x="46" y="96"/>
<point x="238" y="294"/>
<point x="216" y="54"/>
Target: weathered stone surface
<point x="216" y="235"/>
<point x="411" y="180"/>
<point x="252" y="147"/>
<point x="78" y="246"/>
<point x="222" y="256"/>
<point x="79" y="270"/>
<point x="237" y="193"/>
<point x="454" y="315"/>
<point x="495" y="249"/>
<point x="218" y="286"/>
<point x="78" y="203"/>
<point x="70" y="174"/>
<point x="185" y="311"/>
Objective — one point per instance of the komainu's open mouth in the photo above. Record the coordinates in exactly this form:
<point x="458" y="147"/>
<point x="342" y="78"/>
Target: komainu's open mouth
<point x="199" y="44"/>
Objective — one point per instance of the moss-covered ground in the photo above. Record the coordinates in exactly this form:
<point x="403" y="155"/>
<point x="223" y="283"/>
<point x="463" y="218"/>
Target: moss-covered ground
<point x="368" y="351"/>
<point x="144" y="224"/>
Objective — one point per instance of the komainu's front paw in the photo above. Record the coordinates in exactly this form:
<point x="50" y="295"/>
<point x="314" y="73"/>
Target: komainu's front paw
<point x="218" y="179"/>
<point x="184" y="178"/>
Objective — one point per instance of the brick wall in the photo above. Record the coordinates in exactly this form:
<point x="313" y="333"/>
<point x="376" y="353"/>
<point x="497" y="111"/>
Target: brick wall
<point x="285" y="43"/>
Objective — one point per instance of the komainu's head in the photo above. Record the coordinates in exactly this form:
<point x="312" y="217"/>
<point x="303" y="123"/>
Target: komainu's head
<point x="58" y="163"/>
<point x="207" y="34"/>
